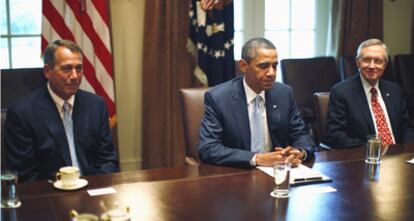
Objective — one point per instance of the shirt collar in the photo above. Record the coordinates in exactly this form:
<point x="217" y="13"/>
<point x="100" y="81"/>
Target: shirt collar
<point x="367" y="86"/>
<point x="58" y="100"/>
<point x="250" y="94"/>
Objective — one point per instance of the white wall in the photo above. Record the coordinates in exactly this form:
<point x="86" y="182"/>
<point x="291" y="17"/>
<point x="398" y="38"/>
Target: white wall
<point x="398" y="18"/>
<point x="127" y="37"/>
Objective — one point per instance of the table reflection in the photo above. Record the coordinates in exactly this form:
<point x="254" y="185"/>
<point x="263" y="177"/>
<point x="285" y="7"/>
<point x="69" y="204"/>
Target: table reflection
<point x="372" y="171"/>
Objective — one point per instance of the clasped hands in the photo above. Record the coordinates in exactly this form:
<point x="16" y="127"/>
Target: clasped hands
<point x="289" y="154"/>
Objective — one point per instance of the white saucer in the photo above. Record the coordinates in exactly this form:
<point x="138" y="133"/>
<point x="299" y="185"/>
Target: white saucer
<point x="79" y="184"/>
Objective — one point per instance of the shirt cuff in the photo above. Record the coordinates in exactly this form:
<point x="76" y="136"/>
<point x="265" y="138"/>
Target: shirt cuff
<point x="305" y="154"/>
<point x="253" y="161"/>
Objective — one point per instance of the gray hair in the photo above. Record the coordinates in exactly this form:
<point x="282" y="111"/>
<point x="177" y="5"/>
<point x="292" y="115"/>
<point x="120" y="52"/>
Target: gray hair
<point x="250" y="47"/>
<point x="49" y="55"/>
<point x="371" y="42"/>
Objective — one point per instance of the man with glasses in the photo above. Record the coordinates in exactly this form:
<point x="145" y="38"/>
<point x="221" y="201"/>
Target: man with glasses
<point x="59" y="125"/>
<point x="366" y="104"/>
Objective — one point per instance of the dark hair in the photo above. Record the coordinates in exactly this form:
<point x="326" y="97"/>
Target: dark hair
<point x="49" y="55"/>
<point x="250" y="47"/>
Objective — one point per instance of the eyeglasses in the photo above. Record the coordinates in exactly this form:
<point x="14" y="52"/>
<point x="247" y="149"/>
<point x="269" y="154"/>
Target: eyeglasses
<point x="369" y="60"/>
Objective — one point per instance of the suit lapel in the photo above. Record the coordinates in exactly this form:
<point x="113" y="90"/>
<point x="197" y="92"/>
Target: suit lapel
<point x="80" y="131"/>
<point x="386" y="96"/>
<point x="273" y="114"/>
<point x="241" y="115"/>
<point x="362" y="102"/>
<point x="53" y="121"/>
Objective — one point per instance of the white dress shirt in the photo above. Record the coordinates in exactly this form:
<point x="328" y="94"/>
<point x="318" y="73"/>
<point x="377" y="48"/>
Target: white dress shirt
<point x="367" y="90"/>
<point x="59" y="101"/>
<point x="250" y="96"/>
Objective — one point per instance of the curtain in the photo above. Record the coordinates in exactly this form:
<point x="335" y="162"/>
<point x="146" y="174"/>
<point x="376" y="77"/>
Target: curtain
<point x="167" y="67"/>
<point x="353" y="21"/>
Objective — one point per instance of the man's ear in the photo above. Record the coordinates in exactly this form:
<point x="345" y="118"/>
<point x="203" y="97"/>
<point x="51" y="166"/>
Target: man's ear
<point x="243" y="65"/>
<point x="47" y="71"/>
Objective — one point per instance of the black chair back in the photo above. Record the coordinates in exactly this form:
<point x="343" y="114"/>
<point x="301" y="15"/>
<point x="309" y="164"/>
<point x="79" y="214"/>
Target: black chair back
<point x="321" y="101"/>
<point x="16" y="83"/>
<point x="308" y="76"/>
<point x="3" y="149"/>
<point x="404" y="75"/>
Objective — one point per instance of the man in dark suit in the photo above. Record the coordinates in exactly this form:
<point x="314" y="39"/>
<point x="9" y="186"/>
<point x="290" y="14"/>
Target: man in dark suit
<point x="356" y="109"/>
<point x="59" y="125"/>
<point x="229" y="132"/>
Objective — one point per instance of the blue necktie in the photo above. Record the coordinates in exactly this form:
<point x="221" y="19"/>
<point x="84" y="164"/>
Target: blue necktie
<point x="257" y="128"/>
<point x="68" y="124"/>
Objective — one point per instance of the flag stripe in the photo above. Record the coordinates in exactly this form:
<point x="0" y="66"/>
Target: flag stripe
<point x="85" y="43"/>
<point x="56" y="21"/>
<point x="102" y="10"/>
<point x="101" y="29"/>
<point x="89" y="28"/>
<point x="99" y="48"/>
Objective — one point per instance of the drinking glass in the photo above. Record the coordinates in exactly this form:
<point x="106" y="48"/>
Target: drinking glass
<point x="281" y="172"/>
<point x="9" y="197"/>
<point x="373" y="152"/>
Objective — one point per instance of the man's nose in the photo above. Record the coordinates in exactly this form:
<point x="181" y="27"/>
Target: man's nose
<point x="74" y="73"/>
<point x="272" y="71"/>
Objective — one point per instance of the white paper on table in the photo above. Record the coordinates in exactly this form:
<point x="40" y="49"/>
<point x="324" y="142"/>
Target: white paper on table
<point x="300" y="175"/>
<point x="101" y="191"/>
<point x="410" y="161"/>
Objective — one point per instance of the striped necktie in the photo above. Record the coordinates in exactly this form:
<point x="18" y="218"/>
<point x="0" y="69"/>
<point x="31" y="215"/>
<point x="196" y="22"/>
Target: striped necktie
<point x="68" y="124"/>
<point x="257" y="128"/>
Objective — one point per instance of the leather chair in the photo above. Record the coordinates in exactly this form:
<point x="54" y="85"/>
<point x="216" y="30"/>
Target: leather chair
<point x="192" y="111"/>
<point x="321" y="101"/>
<point x="308" y="76"/>
<point x="3" y="149"/>
<point x="348" y="68"/>
<point x="16" y="83"/>
<point x="404" y="75"/>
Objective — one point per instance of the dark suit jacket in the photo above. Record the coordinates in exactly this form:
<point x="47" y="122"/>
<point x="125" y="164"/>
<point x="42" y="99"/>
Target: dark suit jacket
<point x="349" y="116"/>
<point x="225" y="129"/>
<point x="35" y="139"/>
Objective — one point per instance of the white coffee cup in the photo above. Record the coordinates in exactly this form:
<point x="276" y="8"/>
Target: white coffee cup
<point x="69" y="176"/>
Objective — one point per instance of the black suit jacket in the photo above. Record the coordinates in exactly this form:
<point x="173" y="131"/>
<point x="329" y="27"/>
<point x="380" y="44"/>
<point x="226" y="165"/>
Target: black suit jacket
<point x="225" y="128"/>
<point x="349" y="116"/>
<point x="35" y="139"/>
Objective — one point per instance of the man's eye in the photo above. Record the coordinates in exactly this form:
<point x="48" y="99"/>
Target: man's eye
<point x="263" y="66"/>
<point x="66" y="69"/>
<point x="79" y="68"/>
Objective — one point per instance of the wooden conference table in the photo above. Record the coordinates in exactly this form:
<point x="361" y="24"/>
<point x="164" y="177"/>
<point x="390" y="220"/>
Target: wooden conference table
<point x="206" y="192"/>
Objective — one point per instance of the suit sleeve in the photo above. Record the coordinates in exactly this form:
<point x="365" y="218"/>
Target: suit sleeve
<point x="211" y="147"/>
<point x="20" y="154"/>
<point x="107" y="159"/>
<point x="337" y="135"/>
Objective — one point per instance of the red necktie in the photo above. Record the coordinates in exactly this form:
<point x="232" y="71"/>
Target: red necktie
<point x="382" y="125"/>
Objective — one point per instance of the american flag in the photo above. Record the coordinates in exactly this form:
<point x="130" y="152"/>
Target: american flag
<point x="87" y="23"/>
<point x="211" y="40"/>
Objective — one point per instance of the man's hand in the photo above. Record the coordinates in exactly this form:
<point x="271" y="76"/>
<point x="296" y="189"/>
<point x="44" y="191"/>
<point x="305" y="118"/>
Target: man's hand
<point x="292" y="155"/>
<point x="267" y="159"/>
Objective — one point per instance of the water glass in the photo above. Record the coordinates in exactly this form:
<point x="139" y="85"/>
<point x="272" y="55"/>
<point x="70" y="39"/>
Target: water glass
<point x="281" y="171"/>
<point x="373" y="152"/>
<point x="9" y="196"/>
